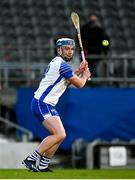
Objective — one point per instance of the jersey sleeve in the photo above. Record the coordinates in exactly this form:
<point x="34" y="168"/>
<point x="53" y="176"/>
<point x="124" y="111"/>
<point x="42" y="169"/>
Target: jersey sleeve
<point x="65" y="70"/>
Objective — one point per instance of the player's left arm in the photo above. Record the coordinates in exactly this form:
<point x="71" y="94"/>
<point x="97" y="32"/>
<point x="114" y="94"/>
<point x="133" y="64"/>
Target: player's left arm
<point x="66" y="71"/>
<point x="81" y="68"/>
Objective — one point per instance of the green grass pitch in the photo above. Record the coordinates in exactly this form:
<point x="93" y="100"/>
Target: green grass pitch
<point x="68" y="174"/>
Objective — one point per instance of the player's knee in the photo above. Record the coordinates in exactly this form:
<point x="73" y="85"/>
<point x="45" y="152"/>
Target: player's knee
<point x="61" y="136"/>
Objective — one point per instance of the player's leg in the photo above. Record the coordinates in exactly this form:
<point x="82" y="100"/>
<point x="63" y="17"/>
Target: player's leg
<point x="52" y="150"/>
<point x="50" y="119"/>
<point x="45" y="159"/>
<point x="54" y="125"/>
<point x="51" y="143"/>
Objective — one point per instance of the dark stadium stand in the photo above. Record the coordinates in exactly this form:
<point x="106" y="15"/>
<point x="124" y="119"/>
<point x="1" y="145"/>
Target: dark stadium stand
<point x="33" y="24"/>
<point x="28" y="30"/>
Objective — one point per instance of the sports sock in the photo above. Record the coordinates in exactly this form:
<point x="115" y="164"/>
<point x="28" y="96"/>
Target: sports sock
<point x="34" y="156"/>
<point x="44" y="161"/>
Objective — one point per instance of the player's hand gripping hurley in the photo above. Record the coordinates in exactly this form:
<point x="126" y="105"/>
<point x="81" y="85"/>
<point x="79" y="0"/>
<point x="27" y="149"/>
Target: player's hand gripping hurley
<point x="76" y="23"/>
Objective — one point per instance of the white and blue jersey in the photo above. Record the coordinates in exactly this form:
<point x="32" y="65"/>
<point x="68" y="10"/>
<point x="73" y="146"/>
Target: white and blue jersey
<point x="54" y="83"/>
<point x="51" y="87"/>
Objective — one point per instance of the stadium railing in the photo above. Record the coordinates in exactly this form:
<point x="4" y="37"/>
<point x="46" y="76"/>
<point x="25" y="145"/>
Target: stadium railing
<point x="114" y="154"/>
<point x="113" y="70"/>
<point x="26" y="134"/>
<point x="101" y="154"/>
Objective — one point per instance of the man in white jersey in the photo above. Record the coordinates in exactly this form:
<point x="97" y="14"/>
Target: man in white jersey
<point x="56" y="79"/>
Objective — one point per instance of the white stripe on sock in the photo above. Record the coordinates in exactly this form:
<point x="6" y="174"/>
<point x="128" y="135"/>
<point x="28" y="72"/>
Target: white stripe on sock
<point x="34" y="156"/>
<point x="44" y="162"/>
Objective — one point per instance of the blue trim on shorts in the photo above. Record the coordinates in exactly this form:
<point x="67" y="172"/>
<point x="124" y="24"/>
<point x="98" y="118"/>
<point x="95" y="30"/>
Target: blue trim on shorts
<point x="42" y="110"/>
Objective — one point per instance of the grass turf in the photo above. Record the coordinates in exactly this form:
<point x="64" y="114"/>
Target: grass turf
<point x="68" y="174"/>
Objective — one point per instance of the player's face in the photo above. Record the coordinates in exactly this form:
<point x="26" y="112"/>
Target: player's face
<point x="68" y="51"/>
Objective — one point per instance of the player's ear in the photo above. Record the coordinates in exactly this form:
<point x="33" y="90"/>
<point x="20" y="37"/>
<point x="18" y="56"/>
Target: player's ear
<point x="59" y="50"/>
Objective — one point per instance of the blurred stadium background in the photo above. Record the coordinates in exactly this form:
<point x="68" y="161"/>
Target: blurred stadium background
<point x="100" y="118"/>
